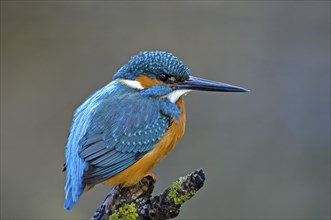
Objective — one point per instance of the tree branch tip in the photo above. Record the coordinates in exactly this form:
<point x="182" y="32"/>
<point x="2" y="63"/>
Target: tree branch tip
<point x="136" y="202"/>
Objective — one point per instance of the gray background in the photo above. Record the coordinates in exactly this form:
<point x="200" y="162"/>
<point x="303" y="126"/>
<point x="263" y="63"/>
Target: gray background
<point x="266" y="154"/>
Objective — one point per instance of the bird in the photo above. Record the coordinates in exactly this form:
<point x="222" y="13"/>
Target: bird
<point x="125" y="128"/>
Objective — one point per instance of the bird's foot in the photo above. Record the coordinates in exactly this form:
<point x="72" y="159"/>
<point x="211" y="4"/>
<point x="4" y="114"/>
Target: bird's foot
<point x="151" y="175"/>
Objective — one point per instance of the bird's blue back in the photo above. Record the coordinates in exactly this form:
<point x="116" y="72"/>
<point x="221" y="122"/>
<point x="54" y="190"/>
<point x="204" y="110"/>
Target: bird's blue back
<point x="111" y="130"/>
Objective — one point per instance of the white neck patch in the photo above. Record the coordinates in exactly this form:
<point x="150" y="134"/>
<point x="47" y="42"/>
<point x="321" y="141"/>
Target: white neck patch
<point x="172" y="96"/>
<point x="176" y="94"/>
<point x="131" y="83"/>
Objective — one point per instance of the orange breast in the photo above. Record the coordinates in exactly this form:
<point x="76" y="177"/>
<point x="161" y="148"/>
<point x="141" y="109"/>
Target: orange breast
<point x="138" y="170"/>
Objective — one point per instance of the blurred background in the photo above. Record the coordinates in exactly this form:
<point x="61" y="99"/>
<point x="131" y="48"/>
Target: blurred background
<point x="266" y="154"/>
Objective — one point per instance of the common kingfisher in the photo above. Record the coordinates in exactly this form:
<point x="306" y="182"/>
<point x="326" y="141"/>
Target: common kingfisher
<point x="125" y="128"/>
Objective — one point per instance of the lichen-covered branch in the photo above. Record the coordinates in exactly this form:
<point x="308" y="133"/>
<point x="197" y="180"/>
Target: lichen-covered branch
<point x="136" y="202"/>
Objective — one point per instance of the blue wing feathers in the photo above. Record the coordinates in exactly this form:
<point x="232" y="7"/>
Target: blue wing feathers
<point x="99" y="174"/>
<point x="96" y="155"/>
<point x="113" y="159"/>
<point x="106" y="159"/>
<point x="102" y="160"/>
<point x="88" y="141"/>
<point x="88" y="150"/>
<point x="111" y="130"/>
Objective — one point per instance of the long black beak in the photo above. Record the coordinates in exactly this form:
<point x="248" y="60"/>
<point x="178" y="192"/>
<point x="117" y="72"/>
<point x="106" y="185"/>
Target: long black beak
<point x="195" y="83"/>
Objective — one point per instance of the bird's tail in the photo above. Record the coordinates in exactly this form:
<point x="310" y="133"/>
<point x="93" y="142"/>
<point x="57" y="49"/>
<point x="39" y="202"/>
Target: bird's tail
<point x="76" y="166"/>
<point x="69" y="203"/>
<point x="71" y="196"/>
<point x="74" y="186"/>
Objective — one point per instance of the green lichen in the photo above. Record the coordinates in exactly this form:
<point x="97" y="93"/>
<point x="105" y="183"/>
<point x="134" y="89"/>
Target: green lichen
<point x="178" y="200"/>
<point x="126" y="212"/>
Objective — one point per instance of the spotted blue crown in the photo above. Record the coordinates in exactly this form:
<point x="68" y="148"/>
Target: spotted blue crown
<point x="151" y="63"/>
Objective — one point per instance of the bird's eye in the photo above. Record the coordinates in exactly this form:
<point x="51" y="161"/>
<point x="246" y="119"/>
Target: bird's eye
<point x="167" y="79"/>
<point x="163" y="77"/>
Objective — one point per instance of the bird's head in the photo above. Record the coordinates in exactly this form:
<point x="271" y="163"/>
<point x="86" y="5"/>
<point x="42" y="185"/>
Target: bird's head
<point x="161" y="74"/>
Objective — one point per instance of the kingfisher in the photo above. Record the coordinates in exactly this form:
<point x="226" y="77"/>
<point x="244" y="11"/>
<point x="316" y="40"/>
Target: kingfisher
<point x="125" y="128"/>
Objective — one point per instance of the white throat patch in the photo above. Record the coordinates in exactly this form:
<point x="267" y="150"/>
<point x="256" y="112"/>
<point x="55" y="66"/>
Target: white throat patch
<point x="176" y="94"/>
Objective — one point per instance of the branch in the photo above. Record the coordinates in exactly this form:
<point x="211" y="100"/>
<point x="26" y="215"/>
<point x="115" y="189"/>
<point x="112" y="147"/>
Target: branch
<point x="136" y="202"/>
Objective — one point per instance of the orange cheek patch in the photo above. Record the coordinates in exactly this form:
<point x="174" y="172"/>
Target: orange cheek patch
<point x="147" y="82"/>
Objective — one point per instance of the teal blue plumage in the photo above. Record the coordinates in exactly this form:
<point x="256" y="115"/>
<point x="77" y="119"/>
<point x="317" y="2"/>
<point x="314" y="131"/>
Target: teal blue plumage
<point x="106" y="138"/>
<point x="153" y="63"/>
<point x="123" y="121"/>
